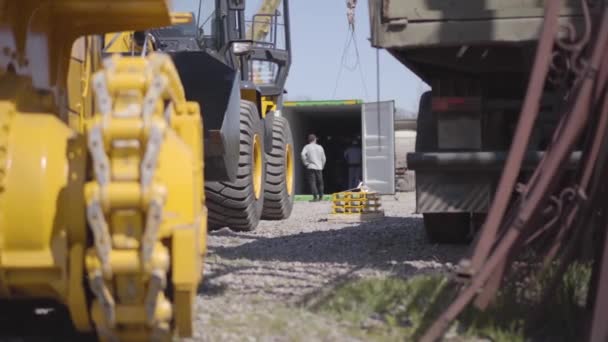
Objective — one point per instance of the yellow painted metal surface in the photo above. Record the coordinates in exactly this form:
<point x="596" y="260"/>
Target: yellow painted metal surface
<point x="189" y="126"/>
<point x="151" y="206"/>
<point x="289" y="169"/>
<point x="43" y="31"/>
<point x="265" y="104"/>
<point x="41" y="161"/>
<point x="143" y="203"/>
<point x="178" y="18"/>
<point x="256" y="168"/>
<point x="356" y="202"/>
<point x="123" y="42"/>
<point x="269" y="103"/>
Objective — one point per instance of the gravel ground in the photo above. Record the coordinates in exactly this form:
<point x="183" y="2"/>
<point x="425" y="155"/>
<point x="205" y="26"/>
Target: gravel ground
<point x="256" y="283"/>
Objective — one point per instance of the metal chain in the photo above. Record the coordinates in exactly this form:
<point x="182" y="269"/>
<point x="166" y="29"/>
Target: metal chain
<point x="154" y="127"/>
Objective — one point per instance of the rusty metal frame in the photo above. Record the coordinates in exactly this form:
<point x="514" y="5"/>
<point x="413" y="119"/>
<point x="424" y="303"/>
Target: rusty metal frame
<point x="549" y="206"/>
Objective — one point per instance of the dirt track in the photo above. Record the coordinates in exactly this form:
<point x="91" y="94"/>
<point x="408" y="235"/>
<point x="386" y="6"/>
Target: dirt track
<point x="257" y="285"/>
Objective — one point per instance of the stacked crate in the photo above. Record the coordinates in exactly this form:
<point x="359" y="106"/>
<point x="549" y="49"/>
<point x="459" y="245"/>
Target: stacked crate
<point x="360" y="203"/>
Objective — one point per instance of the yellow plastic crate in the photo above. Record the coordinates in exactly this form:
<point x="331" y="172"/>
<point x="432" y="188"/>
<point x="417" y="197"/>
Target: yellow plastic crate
<point x="354" y="195"/>
<point x="350" y="202"/>
<point x="341" y="210"/>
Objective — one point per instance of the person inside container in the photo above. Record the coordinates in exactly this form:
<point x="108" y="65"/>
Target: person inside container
<point x="352" y="155"/>
<point x="313" y="158"/>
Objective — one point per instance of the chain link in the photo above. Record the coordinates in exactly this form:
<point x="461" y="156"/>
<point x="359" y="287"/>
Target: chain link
<point x="154" y="127"/>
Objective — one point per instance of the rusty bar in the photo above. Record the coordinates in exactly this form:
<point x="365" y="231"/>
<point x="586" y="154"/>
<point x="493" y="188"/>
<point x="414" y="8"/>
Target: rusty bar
<point x="491" y="287"/>
<point x="590" y="163"/>
<point x="573" y="122"/>
<point x="581" y="109"/>
<point x="599" y="328"/>
<point x="547" y="226"/>
<point x="595" y="193"/>
<point x="523" y="132"/>
<point x="443" y="322"/>
<point x="549" y="291"/>
<point x="602" y="125"/>
<point x="485" y="297"/>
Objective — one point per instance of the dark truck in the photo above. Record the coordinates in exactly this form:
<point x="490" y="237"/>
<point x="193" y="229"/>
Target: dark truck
<point x="476" y="56"/>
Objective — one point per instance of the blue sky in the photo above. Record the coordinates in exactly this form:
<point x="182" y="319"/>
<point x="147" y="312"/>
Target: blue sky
<point x="319" y="30"/>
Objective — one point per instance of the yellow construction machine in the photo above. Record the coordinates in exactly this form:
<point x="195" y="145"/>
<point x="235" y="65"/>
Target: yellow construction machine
<point x="237" y="69"/>
<point x="101" y="171"/>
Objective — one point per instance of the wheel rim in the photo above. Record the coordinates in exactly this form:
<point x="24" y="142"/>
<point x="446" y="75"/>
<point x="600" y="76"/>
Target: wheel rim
<point x="257" y="166"/>
<point x="289" y="168"/>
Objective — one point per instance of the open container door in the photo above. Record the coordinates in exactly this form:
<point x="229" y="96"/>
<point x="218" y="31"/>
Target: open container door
<point x="378" y="128"/>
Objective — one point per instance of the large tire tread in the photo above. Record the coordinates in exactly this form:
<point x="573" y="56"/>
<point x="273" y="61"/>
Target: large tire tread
<point x="278" y="202"/>
<point x="233" y="204"/>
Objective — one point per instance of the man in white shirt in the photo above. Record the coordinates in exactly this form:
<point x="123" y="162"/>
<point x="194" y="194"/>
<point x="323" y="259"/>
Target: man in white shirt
<point x="352" y="155"/>
<point x="313" y="157"/>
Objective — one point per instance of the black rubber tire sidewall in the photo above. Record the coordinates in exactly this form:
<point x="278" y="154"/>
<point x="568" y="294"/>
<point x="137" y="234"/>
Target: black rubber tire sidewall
<point x="233" y="204"/>
<point x="278" y="202"/>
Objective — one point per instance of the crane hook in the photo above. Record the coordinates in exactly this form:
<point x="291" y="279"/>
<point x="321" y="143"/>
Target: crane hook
<point x="350" y="13"/>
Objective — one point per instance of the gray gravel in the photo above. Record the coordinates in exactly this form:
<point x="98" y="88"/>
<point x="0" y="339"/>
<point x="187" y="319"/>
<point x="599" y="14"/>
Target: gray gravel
<point x="255" y="283"/>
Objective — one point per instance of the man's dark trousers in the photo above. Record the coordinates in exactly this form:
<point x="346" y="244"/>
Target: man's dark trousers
<point x="315" y="181"/>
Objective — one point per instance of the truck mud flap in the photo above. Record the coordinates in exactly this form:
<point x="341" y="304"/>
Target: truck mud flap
<point x="438" y="192"/>
<point x="463" y="181"/>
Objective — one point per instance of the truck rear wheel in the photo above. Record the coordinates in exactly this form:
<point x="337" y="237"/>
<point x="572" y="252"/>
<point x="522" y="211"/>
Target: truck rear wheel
<point x="452" y="228"/>
<point x="278" y="191"/>
<point x="238" y="205"/>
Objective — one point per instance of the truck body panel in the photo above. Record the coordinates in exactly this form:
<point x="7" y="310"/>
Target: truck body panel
<point x="432" y="23"/>
<point x="477" y="57"/>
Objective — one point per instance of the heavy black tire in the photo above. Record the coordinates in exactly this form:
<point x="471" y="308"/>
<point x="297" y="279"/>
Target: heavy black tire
<point x="279" y="187"/>
<point x="235" y="204"/>
<point x="449" y="228"/>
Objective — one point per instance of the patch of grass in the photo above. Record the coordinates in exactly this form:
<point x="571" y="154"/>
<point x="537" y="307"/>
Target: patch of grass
<point x="564" y="312"/>
<point x="387" y="308"/>
<point x="273" y="322"/>
<point x="309" y="197"/>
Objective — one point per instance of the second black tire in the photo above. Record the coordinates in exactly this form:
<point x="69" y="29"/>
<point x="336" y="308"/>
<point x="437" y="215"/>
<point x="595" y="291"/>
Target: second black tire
<point x="279" y="187"/>
<point x="238" y="205"/>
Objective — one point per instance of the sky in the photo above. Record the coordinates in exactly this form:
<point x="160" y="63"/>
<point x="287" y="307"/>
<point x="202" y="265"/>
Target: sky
<point x="319" y="30"/>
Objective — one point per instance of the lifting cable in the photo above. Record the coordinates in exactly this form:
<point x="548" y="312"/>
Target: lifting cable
<point x="351" y="39"/>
